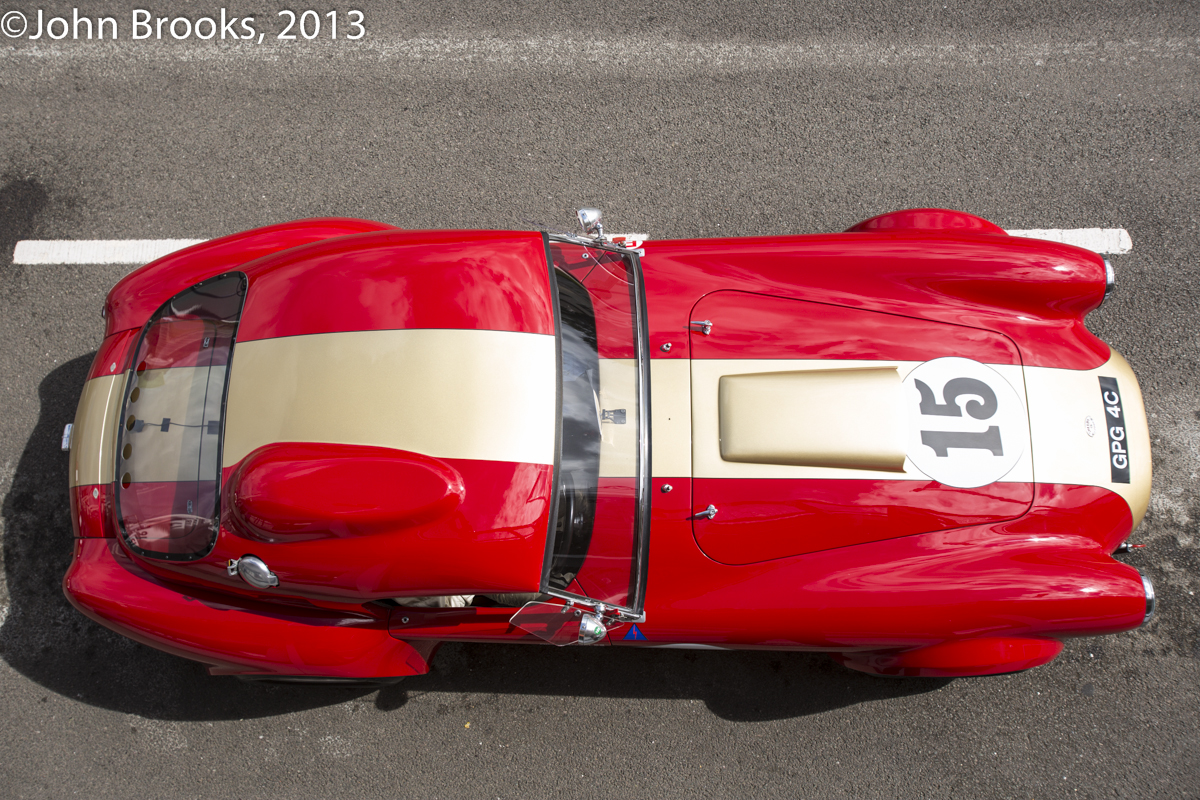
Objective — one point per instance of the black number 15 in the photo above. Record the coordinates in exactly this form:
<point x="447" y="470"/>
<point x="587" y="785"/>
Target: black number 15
<point x="982" y="408"/>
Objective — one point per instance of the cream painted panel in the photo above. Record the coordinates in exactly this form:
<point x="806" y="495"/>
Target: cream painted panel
<point x="618" y="443"/>
<point x="484" y="395"/>
<point x="95" y="431"/>
<point x="671" y="417"/>
<point x="844" y="418"/>
<point x="706" y="444"/>
<point x="1061" y="401"/>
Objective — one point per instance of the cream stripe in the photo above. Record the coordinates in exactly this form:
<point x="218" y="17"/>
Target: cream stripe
<point x="671" y="415"/>
<point x="1060" y="402"/>
<point x="95" y="431"/>
<point x="473" y="394"/>
<point x="707" y="461"/>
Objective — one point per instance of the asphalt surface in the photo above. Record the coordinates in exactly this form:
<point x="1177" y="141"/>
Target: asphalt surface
<point x="677" y="120"/>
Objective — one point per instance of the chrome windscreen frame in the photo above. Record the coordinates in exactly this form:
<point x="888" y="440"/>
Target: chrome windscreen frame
<point x="634" y="612"/>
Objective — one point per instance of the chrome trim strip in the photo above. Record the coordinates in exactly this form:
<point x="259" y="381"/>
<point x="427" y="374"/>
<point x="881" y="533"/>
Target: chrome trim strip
<point x="642" y="532"/>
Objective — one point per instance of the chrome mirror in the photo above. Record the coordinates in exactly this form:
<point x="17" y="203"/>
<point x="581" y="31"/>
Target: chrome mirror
<point x="559" y="625"/>
<point x="592" y="630"/>
<point x="589" y="218"/>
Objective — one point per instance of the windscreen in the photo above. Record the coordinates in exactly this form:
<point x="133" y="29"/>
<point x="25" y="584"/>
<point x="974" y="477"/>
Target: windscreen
<point x="597" y="550"/>
<point x="168" y="457"/>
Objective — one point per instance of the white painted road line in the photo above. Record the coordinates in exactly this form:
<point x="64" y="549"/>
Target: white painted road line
<point x="143" y="251"/>
<point x="97" y="251"/>
<point x="620" y="53"/>
<point x="1098" y="240"/>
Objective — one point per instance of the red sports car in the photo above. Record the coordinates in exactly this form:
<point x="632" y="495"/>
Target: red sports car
<point x="317" y="450"/>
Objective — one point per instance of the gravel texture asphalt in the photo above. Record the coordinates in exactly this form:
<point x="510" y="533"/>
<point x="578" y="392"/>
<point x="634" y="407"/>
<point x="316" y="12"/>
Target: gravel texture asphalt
<point x="678" y="120"/>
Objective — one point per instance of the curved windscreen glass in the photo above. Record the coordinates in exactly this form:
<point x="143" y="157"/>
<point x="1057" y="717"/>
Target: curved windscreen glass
<point x="168" y="455"/>
<point x="598" y="536"/>
<point x="579" y="463"/>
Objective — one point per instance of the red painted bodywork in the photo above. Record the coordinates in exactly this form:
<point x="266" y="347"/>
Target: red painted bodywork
<point x="1036" y="576"/>
<point x="768" y="519"/>
<point x="773" y="327"/>
<point x="456" y="624"/>
<point x="986" y="655"/>
<point x="92" y="512"/>
<point x="773" y="518"/>
<point x="293" y="492"/>
<point x="115" y="351"/>
<point x="235" y="635"/>
<point x="892" y="577"/>
<point x="141" y="292"/>
<point x="491" y="280"/>
<point x="490" y="541"/>
<point x="1036" y="293"/>
<point x="927" y="219"/>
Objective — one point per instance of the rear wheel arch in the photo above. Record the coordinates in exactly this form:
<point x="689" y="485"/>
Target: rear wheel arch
<point x="926" y="219"/>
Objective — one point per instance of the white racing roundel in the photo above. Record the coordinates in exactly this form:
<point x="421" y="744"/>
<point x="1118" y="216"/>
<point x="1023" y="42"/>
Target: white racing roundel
<point x="967" y="424"/>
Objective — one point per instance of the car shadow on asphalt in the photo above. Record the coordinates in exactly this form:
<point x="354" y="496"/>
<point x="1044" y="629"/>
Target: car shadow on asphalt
<point x="736" y="685"/>
<point x="45" y="639"/>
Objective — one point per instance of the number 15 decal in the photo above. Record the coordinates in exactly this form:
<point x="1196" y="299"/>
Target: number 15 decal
<point x="984" y="407"/>
<point x="967" y="423"/>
